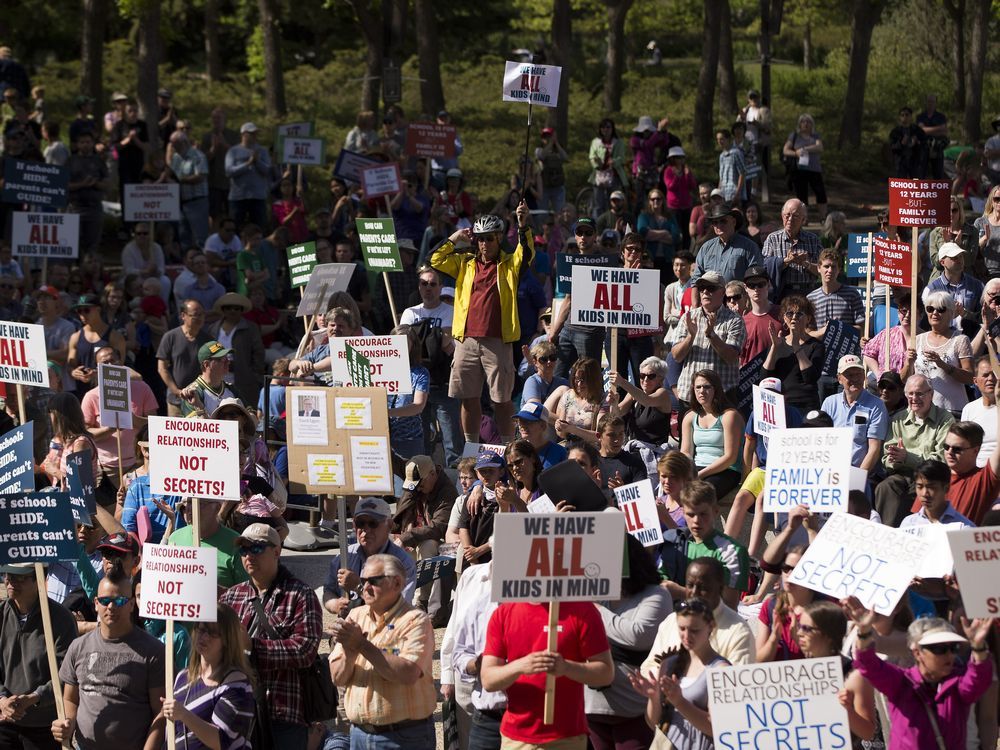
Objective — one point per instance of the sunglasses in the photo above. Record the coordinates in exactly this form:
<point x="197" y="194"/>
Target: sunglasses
<point x="936" y="310"/>
<point x="956" y="449"/>
<point x="647" y="375"/>
<point x="254" y="549"/>
<point x="118" y="601"/>
<point x="367" y="524"/>
<point x="585" y="232"/>
<point x="488" y="237"/>
<point x="756" y="284"/>
<point x="428" y="283"/>
<point x="995" y="299"/>
<point x="373" y="580"/>
<point x="940" y="649"/>
<point x="546" y="360"/>
<point x="232" y="308"/>
<point x="734" y="297"/>
<point x="793" y="314"/>
<point x="692" y="605"/>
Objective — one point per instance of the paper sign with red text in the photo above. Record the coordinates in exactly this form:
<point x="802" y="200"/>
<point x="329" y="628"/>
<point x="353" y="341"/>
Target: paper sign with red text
<point x="637" y="504"/>
<point x="613" y="297"/>
<point x="179" y="583"/>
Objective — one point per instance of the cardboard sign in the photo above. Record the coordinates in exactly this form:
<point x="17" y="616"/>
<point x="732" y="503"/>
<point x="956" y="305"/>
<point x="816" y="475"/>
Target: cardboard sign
<point x="565" y="557"/>
<point x="350" y="165"/>
<point x="152" y="202"/>
<point x="808" y="466"/>
<point x="637" y="504"/>
<point x="430" y="140"/>
<point x="378" y="245"/>
<point x="976" y="553"/>
<point x="179" y="583"/>
<point x="80" y="484"/>
<point x="613" y="297"/>
<point x="853" y="556"/>
<point x="566" y="261"/>
<point x="892" y="261"/>
<point x="380" y="180"/>
<point x="36" y="183"/>
<point x="17" y="449"/>
<point x="22" y="354"/>
<point x="388" y="358"/>
<point x="857" y="255"/>
<point x="301" y="262"/>
<point x="526" y="82"/>
<point x="839" y="339"/>
<point x="750" y="375"/>
<point x="323" y="282"/>
<point x="115" y="388"/>
<point x="37" y="527"/>
<point x="294" y="129"/>
<point x="194" y="457"/>
<point x="778" y="705"/>
<point x="310" y="152"/>
<point x="939" y="562"/>
<point x="768" y="411"/>
<point x="919" y="203"/>
<point x="359" y="367"/>
<point x="45" y="235"/>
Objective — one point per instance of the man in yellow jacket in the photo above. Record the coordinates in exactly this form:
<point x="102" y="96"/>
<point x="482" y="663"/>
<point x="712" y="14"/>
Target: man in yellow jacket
<point x="486" y="280"/>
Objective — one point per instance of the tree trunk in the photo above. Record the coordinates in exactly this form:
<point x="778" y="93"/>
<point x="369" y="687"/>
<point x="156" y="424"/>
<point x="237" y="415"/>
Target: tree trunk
<point x="705" y="93"/>
<point x="562" y="52"/>
<point x="617" y="10"/>
<point x="274" y="76"/>
<point x="213" y="54"/>
<point x="431" y="90"/>
<point x="956" y="12"/>
<point x="95" y="15"/>
<point x="371" y="30"/>
<point x="727" y="74"/>
<point x="865" y="16"/>
<point x="978" y="47"/>
<point x="147" y="63"/>
<point x="807" y="46"/>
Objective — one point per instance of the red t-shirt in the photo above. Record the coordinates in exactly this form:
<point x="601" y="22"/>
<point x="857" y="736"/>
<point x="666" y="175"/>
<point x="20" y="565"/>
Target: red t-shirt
<point x="971" y="494"/>
<point x="758" y="336"/>
<point x="516" y="630"/>
<point x="483" y="317"/>
<point x="266" y="317"/>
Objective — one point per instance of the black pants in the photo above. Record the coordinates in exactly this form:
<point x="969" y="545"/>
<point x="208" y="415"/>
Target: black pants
<point x="13" y="737"/>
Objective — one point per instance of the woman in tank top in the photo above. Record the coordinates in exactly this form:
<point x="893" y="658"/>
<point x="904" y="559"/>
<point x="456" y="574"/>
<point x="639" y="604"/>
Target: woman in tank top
<point x="712" y="433"/>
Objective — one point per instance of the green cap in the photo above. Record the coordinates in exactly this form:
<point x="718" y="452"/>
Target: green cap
<point x="212" y="350"/>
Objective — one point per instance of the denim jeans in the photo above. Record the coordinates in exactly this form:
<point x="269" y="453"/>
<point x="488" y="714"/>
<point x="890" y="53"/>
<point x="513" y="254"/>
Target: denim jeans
<point x="288" y="734"/>
<point x="485" y="732"/>
<point x="553" y="199"/>
<point x="194" y="225"/>
<point x="417" y="737"/>
<point x="448" y="413"/>
<point x="574" y="344"/>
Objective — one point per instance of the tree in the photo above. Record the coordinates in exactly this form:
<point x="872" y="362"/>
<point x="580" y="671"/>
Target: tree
<point x="865" y="15"/>
<point x="431" y="90"/>
<point x="726" y="72"/>
<point x="148" y="53"/>
<point x="371" y="30"/>
<point x="562" y="53"/>
<point x="617" y="10"/>
<point x="705" y="95"/>
<point x="213" y="53"/>
<point x="956" y="12"/>
<point x="94" y="24"/>
<point x="274" y="75"/>
<point x="982" y="14"/>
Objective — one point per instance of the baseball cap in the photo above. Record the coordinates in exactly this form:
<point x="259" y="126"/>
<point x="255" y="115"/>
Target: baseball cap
<point x="121" y="541"/>
<point x="212" y="350"/>
<point x="950" y="250"/>
<point x="756" y="272"/>
<point x="717" y="192"/>
<point x="87" y="300"/>
<point x="118" y="96"/>
<point x="586" y="221"/>
<point x="82" y="99"/>
<point x="165" y="94"/>
<point x="374" y="507"/>
<point x="490" y="459"/>
<point x="711" y="279"/>
<point x="891" y="377"/>
<point x="546" y="313"/>
<point x="453" y="172"/>
<point x="611" y="234"/>
<point x="448" y="291"/>
<point x="258" y="533"/>
<point x="248" y="127"/>
<point x="17" y="569"/>
<point x="771" y="384"/>
<point x="617" y="195"/>
<point x="849" y="362"/>
<point x="940" y="635"/>
<point x="48" y="290"/>
<point x="417" y="468"/>
<point x="443" y="114"/>
<point x="548" y="131"/>
<point x="534" y="411"/>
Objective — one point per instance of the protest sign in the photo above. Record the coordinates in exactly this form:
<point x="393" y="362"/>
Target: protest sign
<point x="637" y="504"/>
<point x="976" y="554"/>
<point x="388" y="358"/>
<point x="378" y="245"/>
<point x="37" y="527"/>
<point x="938" y="563"/>
<point x="768" y="411"/>
<point x="566" y="261"/>
<point x="892" y="262"/>
<point x="750" y="375"/>
<point x="839" y="339"/>
<point x="472" y="450"/>
<point x="359" y="367"/>
<point x="194" y="457"/>
<point x="350" y="165"/>
<point x="380" y="180"/>
<point x="431" y="569"/>
<point x="919" y="203"/>
<point x="783" y="704"/>
<point x="535" y="84"/>
<point x="613" y="297"/>
<point x="430" y="140"/>
<point x="310" y="152"/>
<point x="371" y="465"/>
<point x="35" y="182"/>
<point x="301" y="262"/>
<point x="294" y="129"/>
<point x="159" y="201"/>
<point x="323" y="282"/>
<point x="114" y="385"/>
<point x="80" y="484"/>
<point x="22" y="354"/>
<point x="567" y="557"/>
<point x="853" y="556"/>
<point x="17" y="460"/>
<point x="45" y="235"/>
<point x="179" y="583"/>
<point x="857" y="255"/>
<point x="808" y="466"/>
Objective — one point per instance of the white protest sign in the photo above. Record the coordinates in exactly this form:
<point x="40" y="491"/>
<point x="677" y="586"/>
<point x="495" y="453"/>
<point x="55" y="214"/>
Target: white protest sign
<point x="389" y="357"/>
<point x="638" y="505"/>
<point x="472" y="450"/>
<point x="307" y="151"/>
<point x="194" y="457"/>
<point x="114" y="386"/>
<point x="371" y="465"/>
<point x="22" y="354"/>
<point x="380" y="180"/>
<point x="938" y="563"/>
<point x="976" y="553"/>
<point x="45" y="235"/>
<point x="853" y="556"/>
<point x="294" y="129"/>
<point x="564" y="557"/>
<point x="612" y="297"/>
<point x="323" y="282"/>
<point x="808" y="466"/>
<point x="526" y="82"/>
<point x="768" y="411"/>
<point x="152" y="202"/>
<point x="782" y="704"/>
<point x="541" y="504"/>
<point x="179" y="583"/>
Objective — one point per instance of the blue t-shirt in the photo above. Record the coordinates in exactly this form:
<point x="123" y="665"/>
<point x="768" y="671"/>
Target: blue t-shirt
<point x="537" y="389"/>
<point x="552" y="454"/>
<point x="409" y="428"/>
<point x="793" y="418"/>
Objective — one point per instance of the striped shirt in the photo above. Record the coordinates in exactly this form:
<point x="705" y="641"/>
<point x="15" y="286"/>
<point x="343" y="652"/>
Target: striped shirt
<point x="229" y="707"/>
<point x="844" y="305"/>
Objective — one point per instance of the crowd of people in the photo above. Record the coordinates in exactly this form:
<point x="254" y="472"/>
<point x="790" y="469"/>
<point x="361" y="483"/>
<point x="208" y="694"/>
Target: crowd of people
<point x="199" y="311"/>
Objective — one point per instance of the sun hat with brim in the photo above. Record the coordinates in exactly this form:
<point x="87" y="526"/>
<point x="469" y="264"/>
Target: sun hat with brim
<point x="17" y="569"/>
<point x="934" y="637"/>
<point x="710" y="279"/>
<point x="232" y="298"/>
<point x="645" y="125"/>
<point x="235" y="405"/>
<point x="722" y="211"/>
<point x="675" y="151"/>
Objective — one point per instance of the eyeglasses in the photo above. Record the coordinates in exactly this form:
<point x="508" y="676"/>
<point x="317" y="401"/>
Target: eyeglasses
<point x="940" y="649"/>
<point x="366" y="524"/>
<point x="734" y="297"/>
<point x="793" y="314"/>
<point x="254" y="549"/>
<point x="374" y="580"/>
<point x="547" y="359"/>
<point x="931" y="310"/>
<point x="807" y="629"/>
<point x="209" y="631"/>
<point x="756" y="284"/>
<point x="118" y="601"/>
<point x="647" y="375"/>
<point x="957" y="449"/>
<point x="692" y="605"/>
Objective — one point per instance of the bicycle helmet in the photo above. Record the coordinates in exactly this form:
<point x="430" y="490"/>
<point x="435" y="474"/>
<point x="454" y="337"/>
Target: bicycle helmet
<point x="488" y="224"/>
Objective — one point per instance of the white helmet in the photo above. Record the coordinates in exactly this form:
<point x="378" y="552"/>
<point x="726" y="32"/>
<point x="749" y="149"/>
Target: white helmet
<point x="488" y="224"/>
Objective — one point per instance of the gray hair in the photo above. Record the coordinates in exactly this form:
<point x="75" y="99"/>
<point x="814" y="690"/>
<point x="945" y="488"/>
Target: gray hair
<point x="994" y="285"/>
<point x="806" y="117"/>
<point x="941" y="299"/>
<point x="654" y="364"/>
<point x="919" y="628"/>
<point x="390" y="566"/>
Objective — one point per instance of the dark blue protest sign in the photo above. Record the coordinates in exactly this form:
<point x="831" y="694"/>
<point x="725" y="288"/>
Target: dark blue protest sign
<point x="37" y="527"/>
<point x="839" y="340"/>
<point x="36" y="183"/>
<point x="350" y="165"/>
<point x="17" y="461"/>
<point x="750" y="375"/>
<point x="566" y="261"/>
<point x="433" y="568"/>
<point x="857" y="254"/>
<point x="80" y="483"/>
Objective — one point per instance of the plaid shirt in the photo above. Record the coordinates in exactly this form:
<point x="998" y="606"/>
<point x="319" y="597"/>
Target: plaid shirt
<point x="701" y="356"/>
<point x="731" y="167"/>
<point x="779" y="245"/>
<point x="293" y="614"/>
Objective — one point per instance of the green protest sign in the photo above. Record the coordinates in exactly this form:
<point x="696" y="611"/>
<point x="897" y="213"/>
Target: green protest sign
<point x="301" y="262"/>
<point x="378" y="245"/>
<point x="359" y="367"/>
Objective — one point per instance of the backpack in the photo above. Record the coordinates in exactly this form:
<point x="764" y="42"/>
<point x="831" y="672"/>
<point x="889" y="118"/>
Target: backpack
<point x="436" y="360"/>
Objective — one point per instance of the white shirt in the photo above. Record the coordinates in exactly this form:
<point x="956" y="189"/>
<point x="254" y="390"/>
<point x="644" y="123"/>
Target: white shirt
<point x="227" y="250"/>
<point x="986" y="417"/>
<point x="471" y="612"/>
<point x="443" y="312"/>
<point x="732" y="639"/>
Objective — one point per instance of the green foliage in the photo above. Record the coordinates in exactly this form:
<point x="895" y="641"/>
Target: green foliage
<point x="255" y="55"/>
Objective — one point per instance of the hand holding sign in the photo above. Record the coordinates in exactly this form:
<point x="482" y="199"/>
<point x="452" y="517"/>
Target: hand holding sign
<point x="523" y="214"/>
